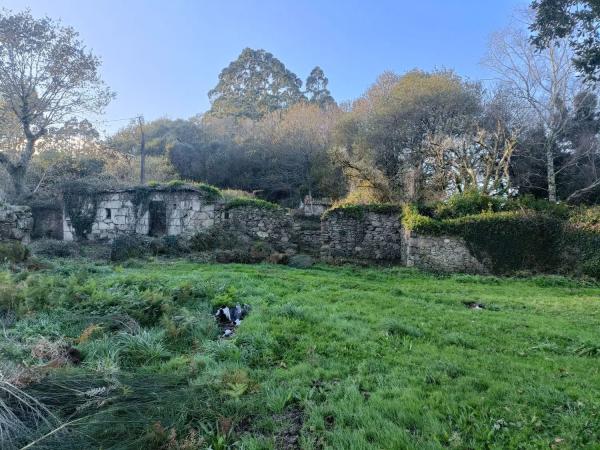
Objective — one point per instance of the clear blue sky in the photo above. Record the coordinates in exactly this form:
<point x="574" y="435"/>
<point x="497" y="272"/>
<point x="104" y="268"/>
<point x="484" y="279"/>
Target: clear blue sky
<point x="162" y="57"/>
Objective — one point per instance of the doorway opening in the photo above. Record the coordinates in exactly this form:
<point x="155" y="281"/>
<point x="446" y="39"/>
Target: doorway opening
<point x="157" y="220"/>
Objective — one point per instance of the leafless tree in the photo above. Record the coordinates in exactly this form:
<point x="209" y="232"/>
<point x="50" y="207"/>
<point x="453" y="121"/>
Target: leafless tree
<point x="545" y="82"/>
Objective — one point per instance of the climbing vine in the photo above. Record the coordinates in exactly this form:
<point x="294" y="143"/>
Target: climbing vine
<point x="141" y="200"/>
<point x="80" y="206"/>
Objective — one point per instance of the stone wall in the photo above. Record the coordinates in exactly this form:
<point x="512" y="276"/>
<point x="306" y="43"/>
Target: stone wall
<point x="351" y="234"/>
<point x="126" y="212"/>
<point x="371" y="236"/>
<point x="47" y="222"/>
<point x="15" y="222"/>
<point x="439" y="254"/>
<point x="306" y="234"/>
<point x="271" y="225"/>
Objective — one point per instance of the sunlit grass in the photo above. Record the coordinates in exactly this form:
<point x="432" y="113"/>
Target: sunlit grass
<point x="340" y="357"/>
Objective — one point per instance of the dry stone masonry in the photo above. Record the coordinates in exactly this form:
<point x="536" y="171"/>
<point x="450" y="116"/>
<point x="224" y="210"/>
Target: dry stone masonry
<point x="271" y="225"/>
<point x="155" y="212"/>
<point x="15" y="222"/>
<point x="372" y="236"/>
<point x="439" y="254"/>
<point x="339" y="235"/>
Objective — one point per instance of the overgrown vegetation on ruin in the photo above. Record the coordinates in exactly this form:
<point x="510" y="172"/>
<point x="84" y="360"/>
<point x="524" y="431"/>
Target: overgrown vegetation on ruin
<point x="337" y="357"/>
<point x="512" y="235"/>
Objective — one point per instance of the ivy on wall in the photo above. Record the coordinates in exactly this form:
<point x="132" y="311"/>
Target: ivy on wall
<point x="513" y="241"/>
<point x="80" y="206"/>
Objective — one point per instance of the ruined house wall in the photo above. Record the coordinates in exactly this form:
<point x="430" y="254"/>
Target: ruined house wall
<point x="380" y="237"/>
<point x="371" y="236"/>
<point x="123" y="213"/>
<point x="339" y="235"/>
<point x="47" y="222"/>
<point x="16" y="222"/>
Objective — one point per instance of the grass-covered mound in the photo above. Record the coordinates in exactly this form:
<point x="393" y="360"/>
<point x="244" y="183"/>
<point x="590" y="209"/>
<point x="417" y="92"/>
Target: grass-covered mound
<point x="328" y="358"/>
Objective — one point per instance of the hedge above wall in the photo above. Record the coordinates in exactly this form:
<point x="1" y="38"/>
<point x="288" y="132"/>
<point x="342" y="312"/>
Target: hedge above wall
<point x="507" y="242"/>
<point x="252" y="202"/>
<point x="359" y="211"/>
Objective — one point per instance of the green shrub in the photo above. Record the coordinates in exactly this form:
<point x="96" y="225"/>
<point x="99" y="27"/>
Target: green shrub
<point x="10" y="294"/>
<point x="301" y="261"/>
<point x="209" y="191"/>
<point x="510" y="242"/>
<point x="239" y="255"/>
<point x="587" y="219"/>
<point x="55" y="249"/>
<point x="505" y="241"/>
<point x="260" y="251"/>
<point x="467" y="203"/>
<point x="128" y="246"/>
<point x="175" y="184"/>
<point x="169" y="246"/>
<point x="531" y="203"/>
<point x="253" y="203"/>
<point x="13" y="252"/>
<point x="213" y="238"/>
<point x="581" y="249"/>
<point x="413" y="220"/>
<point x="591" y="267"/>
<point x="358" y="211"/>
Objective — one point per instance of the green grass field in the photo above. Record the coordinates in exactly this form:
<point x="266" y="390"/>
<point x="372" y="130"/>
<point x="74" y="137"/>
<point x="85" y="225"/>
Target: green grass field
<point x="329" y="357"/>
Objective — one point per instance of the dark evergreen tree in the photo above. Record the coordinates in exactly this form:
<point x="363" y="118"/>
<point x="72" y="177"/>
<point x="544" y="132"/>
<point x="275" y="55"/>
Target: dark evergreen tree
<point x="576" y="20"/>
<point x="253" y="85"/>
<point x="316" y="88"/>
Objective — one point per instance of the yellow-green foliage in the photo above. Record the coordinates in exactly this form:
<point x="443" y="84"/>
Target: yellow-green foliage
<point x="241" y="202"/>
<point x="587" y="219"/>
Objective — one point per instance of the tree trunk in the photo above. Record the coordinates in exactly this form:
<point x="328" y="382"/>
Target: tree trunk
<point x="18" y="171"/>
<point x="142" y="151"/>
<point x="551" y="173"/>
<point x="17" y="175"/>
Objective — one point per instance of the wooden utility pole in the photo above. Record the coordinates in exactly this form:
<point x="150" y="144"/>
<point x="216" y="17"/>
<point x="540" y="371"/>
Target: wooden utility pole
<point x="142" y="151"/>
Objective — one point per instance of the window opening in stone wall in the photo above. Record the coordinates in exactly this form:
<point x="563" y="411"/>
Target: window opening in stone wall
<point x="107" y="213"/>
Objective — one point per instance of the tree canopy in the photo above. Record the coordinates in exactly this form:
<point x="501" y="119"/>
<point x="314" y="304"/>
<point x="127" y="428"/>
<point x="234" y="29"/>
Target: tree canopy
<point x="47" y="76"/>
<point x="576" y="20"/>
<point x="316" y="88"/>
<point x="255" y="84"/>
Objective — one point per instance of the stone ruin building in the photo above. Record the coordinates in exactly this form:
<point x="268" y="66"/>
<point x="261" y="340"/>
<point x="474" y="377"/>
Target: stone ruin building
<point x="335" y="235"/>
<point x="153" y="212"/>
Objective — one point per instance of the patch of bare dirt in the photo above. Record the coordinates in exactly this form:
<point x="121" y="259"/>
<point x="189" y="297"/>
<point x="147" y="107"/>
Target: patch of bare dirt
<point x="289" y="436"/>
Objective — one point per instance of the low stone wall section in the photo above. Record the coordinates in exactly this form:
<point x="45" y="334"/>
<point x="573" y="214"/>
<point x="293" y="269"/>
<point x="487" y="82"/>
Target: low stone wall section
<point x="271" y="225"/>
<point x="439" y="254"/>
<point x="372" y="237"/>
<point x="16" y="222"/>
<point x="306" y="234"/>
